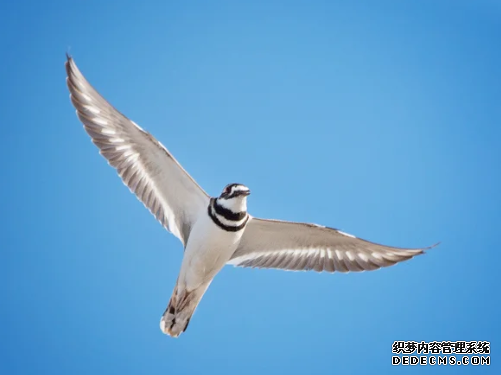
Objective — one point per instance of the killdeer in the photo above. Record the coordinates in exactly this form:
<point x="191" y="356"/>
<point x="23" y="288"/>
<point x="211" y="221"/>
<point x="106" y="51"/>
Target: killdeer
<point x="214" y="231"/>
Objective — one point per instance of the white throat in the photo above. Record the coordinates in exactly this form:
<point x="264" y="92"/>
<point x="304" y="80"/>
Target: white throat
<point x="236" y="204"/>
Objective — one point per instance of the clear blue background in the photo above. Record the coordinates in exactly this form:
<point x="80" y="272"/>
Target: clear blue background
<point x="381" y="118"/>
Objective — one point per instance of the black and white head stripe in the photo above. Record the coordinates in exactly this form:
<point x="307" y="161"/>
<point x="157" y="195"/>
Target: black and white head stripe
<point x="225" y="218"/>
<point x="234" y="190"/>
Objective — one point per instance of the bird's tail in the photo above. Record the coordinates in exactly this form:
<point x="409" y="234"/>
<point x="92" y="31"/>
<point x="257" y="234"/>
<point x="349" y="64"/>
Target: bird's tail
<point x="181" y="307"/>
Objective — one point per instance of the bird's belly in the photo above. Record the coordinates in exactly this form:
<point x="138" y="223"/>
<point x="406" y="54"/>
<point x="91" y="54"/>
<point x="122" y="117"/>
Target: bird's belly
<point x="207" y="251"/>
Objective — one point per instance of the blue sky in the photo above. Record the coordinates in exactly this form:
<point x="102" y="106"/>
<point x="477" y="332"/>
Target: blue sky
<point x="378" y="118"/>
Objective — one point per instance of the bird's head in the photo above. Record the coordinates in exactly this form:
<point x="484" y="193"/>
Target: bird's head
<point x="234" y="197"/>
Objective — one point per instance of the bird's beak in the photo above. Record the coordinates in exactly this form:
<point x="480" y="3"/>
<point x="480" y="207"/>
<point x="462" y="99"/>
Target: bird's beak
<point x="239" y="193"/>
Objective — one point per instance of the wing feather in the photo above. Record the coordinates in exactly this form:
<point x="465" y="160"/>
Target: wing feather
<point x="143" y="163"/>
<point x="299" y="246"/>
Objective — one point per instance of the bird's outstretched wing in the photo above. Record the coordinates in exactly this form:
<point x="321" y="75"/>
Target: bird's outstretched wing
<point x="143" y="163"/>
<point x="301" y="247"/>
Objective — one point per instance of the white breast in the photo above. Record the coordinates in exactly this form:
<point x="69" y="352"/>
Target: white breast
<point x="207" y="251"/>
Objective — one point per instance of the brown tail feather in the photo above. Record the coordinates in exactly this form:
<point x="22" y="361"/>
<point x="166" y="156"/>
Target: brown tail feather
<point x="181" y="307"/>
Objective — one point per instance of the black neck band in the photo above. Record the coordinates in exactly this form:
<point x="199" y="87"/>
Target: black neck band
<point x="228" y="214"/>
<point x="211" y="210"/>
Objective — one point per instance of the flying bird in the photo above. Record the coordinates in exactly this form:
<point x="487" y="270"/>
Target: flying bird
<point x="214" y="231"/>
